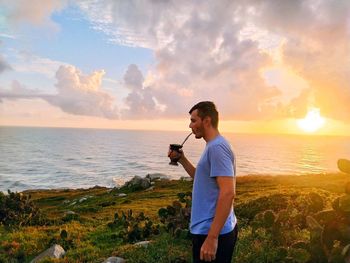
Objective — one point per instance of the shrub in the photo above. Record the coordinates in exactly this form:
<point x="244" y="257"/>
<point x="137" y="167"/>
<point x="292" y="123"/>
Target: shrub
<point x="176" y="217"/>
<point x="12" y="250"/>
<point x="17" y="209"/>
<point x="133" y="228"/>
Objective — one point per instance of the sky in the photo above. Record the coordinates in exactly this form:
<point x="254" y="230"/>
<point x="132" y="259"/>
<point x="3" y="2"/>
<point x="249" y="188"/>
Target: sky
<point x="141" y="64"/>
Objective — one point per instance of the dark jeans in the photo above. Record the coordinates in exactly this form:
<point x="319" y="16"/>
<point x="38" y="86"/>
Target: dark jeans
<point x="226" y="245"/>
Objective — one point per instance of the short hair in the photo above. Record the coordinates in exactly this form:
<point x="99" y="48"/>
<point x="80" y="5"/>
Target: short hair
<point x="207" y="108"/>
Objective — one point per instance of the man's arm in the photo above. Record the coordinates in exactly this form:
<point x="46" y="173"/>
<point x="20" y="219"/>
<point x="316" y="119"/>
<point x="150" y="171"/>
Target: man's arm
<point x="187" y="165"/>
<point x="223" y="208"/>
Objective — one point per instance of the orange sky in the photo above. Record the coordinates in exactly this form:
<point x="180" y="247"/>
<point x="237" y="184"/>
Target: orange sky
<point x="38" y="117"/>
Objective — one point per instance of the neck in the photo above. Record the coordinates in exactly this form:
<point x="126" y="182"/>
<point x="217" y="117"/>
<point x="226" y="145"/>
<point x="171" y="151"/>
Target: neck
<point x="211" y="134"/>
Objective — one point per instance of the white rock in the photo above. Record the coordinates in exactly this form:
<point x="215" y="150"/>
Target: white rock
<point x="114" y="260"/>
<point x="142" y="243"/>
<point x="122" y="195"/>
<point x="156" y="176"/>
<point x="70" y="213"/>
<point x="56" y="251"/>
<point x="82" y="199"/>
<point x="186" y="178"/>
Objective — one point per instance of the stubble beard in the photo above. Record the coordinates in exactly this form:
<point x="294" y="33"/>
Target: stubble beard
<point x="199" y="133"/>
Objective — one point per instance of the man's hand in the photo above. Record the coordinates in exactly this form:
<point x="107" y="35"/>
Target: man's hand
<point x="175" y="155"/>
<point x="209" y="248"/>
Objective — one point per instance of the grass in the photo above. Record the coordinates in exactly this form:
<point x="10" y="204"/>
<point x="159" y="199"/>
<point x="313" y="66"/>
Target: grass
<point x="90" y="239"/>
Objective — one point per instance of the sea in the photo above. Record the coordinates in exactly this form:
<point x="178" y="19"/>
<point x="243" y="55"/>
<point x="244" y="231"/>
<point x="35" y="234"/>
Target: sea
<point x="51" y="158"/>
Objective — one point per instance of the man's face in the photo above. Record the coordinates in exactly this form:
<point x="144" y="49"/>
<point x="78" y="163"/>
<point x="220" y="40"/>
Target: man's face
<point x="196" y="125"/>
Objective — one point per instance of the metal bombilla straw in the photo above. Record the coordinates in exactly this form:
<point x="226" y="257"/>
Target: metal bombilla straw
<point x="177" y="147"/>
<point x="188" y="136"/>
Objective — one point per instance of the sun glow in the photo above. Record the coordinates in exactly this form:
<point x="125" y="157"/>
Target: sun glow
<point x="312" y="121"/>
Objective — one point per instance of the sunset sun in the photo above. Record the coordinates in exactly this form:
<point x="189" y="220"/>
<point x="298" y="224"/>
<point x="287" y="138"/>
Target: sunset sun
<point x="312" y="122"/>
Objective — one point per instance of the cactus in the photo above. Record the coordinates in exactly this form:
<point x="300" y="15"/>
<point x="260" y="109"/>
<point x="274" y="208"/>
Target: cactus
<point x="330" y="231"/>
<point x="299" y="255"/>
<point x="313" y="224"/>
<point x="132" y="228"/>
<point x="269" y="218"/>
<point x="335" y="204"/>
<point x="300" y="244"/>
<point x="175" y="217"/>
<point x="347" y="188"/>
<point x="316" y="247"/>
<point x="325" y="216"/>
<point x="177" y="205"/>
<point x="64" y="234"/>
<point x="163" y="214"/>
<point x="282" y="253"/>
<point x="335" y="254"/>
<point x="316" y="202"/>
<point x="344" y="203"/>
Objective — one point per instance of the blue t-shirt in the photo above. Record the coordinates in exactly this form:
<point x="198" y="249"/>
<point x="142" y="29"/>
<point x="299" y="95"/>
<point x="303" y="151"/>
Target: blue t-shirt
<point x="216" y="160"/>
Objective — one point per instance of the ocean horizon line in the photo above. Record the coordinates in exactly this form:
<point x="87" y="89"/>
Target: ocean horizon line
<point x="182" y="131"/>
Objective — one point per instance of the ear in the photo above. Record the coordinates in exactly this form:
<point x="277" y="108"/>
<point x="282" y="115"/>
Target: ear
<point x="207" y="121"/>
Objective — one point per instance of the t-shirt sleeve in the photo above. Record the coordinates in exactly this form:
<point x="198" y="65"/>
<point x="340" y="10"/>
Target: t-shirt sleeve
<point x="221" y="161"/>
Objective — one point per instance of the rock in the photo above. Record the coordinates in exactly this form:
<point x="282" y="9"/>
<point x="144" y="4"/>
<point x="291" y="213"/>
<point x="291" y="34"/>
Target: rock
<point x="56" y="251"/>
<point x="142" y="243"/>
<point x="150" y="189"/>
<point x="186" y="178"/>
<point x="114" y="260"/>
<point x="346" y="253"/>
<point x="70" y="213"/>
<point x="156" y="176"/>
<point x="138" y="183"/>
<point x="122" y="195"/>
<point x="82" y="199"/>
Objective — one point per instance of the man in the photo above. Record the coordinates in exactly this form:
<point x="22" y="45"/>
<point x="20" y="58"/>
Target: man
<point x="213" y="222"/>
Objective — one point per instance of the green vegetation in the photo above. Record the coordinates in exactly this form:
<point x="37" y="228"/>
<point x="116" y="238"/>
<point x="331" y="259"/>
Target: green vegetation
<point x="18" y="210"/>
<point x="281" y="219"/>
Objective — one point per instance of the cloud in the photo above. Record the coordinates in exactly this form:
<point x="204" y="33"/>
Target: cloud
<point x="4" y="65"/>
<point x="81" y="94"/>
<point x="211" y="50"/>
<point x="35" y="12"/>
<point x="199" y="55"/>
<point x="25" y="61"/>
<point x="135" y="23"/>
<point x="140" y="101"/>
<point x="77" y="94"/>
<point x="315" y="45"/>
<point x="19" y="91"/>
<point x="207" y="50"/>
